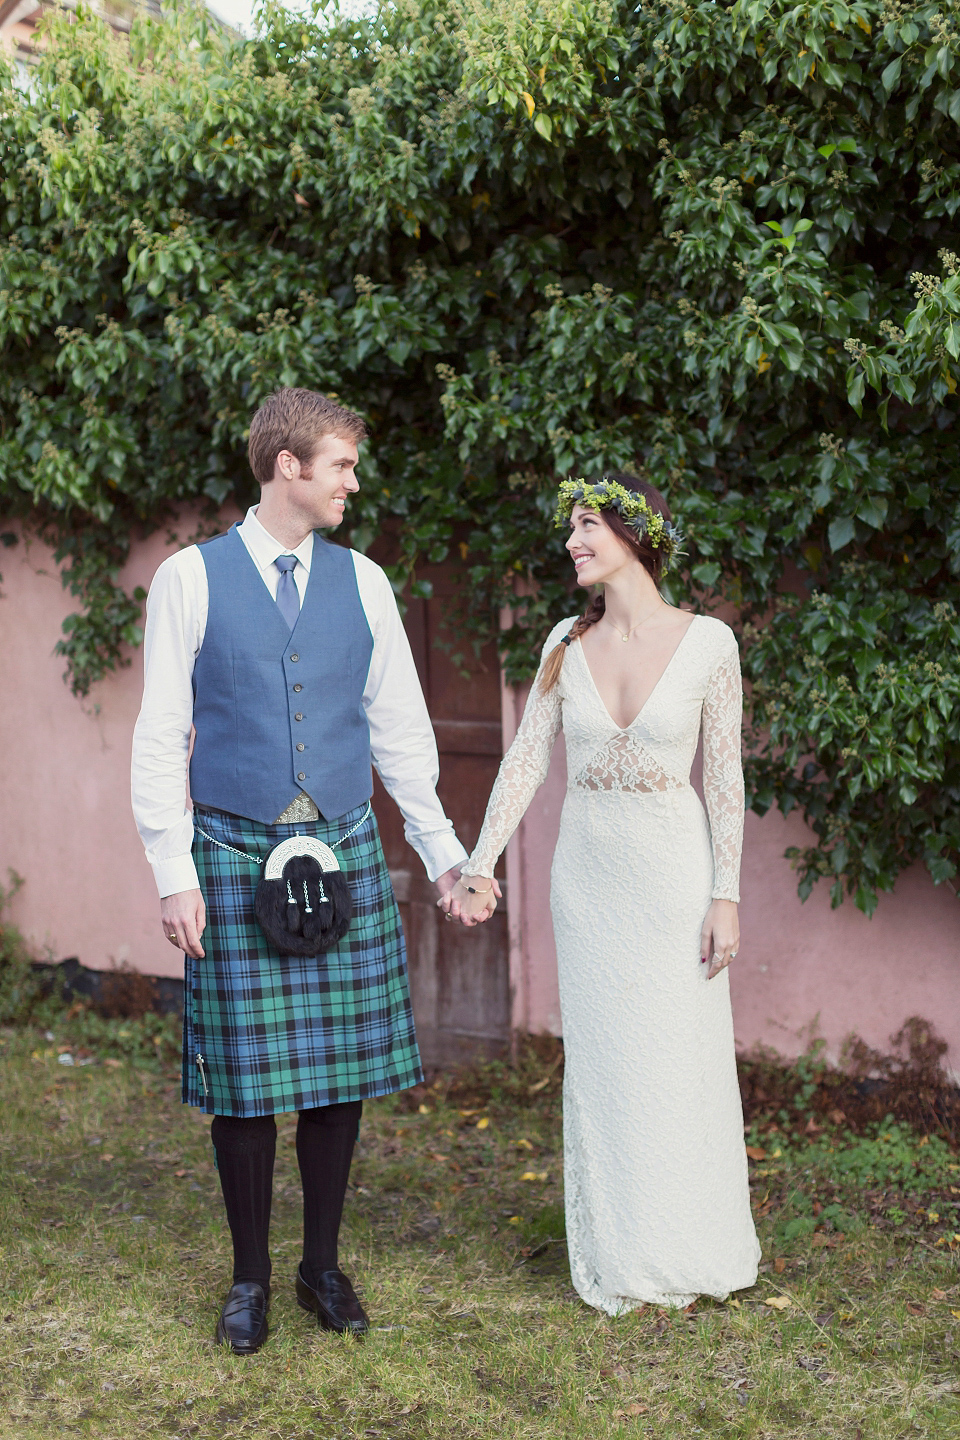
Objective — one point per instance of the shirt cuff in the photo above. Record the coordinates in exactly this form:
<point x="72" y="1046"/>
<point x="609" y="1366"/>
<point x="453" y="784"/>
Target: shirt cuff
<point x="175" y="875"/>
<point x="440" y="851"/>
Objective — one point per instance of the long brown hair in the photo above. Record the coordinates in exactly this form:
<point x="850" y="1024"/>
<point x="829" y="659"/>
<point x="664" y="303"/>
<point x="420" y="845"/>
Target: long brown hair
<point x="650" y="558"/>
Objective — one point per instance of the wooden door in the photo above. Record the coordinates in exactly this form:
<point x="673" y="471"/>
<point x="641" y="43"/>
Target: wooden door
<point x="459" y="978"/>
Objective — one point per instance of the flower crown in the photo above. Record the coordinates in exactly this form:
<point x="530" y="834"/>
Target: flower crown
<point x="632" y="508"/>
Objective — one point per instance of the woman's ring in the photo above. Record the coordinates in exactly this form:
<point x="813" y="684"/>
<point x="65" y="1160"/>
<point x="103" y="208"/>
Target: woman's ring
<point x="733" y="954"/>
<point x="172" y="935"/>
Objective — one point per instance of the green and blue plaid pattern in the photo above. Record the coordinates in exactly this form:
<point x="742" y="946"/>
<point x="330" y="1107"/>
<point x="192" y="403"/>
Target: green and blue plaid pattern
<point x="278" y="1032"/>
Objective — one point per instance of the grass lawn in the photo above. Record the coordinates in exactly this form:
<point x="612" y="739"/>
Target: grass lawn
<point x="115" y="1258"/>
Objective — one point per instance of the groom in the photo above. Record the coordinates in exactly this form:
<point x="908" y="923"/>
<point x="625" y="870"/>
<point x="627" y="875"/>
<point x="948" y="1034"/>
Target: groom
<point x="283" y="656"/>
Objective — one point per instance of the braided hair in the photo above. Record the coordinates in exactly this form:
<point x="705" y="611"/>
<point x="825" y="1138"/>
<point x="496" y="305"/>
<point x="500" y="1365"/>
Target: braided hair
<point x="649" y="556"/>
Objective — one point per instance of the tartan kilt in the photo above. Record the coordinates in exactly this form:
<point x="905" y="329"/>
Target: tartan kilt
<point x="280" y="1032"/>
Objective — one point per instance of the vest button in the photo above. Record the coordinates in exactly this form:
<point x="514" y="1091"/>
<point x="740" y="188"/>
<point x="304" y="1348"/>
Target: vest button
<point x="298" y="716"/>
<point x="294" y="658"/>
<point x="297" y="689"/>
<point x="301" y="775"/>
<point x="299" y="747"/>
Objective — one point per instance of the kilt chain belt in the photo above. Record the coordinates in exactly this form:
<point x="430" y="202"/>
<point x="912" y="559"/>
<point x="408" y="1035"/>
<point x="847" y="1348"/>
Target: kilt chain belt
<point x="259" y="859"/>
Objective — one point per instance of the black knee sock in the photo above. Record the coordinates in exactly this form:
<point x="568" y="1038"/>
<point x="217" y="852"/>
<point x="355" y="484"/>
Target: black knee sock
<point x="325" y="1141"/>
<point x="246" y="1150"/>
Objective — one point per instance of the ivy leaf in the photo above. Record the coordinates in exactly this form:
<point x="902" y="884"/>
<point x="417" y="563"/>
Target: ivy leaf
<point x="841" y="532"/>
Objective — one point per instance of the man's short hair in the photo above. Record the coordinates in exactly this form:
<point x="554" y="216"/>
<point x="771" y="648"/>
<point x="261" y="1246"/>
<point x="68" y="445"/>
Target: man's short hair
<point x="296" y="420"/>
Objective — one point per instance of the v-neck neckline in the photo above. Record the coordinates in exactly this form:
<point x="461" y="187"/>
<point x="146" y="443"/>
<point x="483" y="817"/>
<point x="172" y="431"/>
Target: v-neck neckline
<point x="660" y="679"/>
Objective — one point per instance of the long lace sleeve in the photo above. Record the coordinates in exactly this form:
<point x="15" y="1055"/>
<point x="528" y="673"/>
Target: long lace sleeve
<point x="522" y="771"/>
<point x="723" y="772"/>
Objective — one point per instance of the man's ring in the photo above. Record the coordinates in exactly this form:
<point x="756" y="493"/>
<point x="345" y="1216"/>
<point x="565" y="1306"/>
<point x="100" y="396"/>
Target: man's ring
<point x="172" y="935"/>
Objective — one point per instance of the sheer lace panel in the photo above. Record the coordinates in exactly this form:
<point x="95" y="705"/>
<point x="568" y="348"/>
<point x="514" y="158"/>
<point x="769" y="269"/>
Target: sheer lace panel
<point x="626" y="765"/>
<point x="723" y="773"/>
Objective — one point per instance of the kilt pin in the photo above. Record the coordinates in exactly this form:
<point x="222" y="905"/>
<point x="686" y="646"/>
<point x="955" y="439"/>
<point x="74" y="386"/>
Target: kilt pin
<point x="265" y="1032"/>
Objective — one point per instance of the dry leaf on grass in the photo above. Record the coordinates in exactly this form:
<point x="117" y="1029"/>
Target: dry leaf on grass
<point x="756" y="1152"/>
<point x="629" y="1411"/>
<point x="778" y="1302"/>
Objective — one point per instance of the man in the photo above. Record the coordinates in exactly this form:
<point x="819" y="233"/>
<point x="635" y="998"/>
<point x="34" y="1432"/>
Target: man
<point x="286" y="657"/>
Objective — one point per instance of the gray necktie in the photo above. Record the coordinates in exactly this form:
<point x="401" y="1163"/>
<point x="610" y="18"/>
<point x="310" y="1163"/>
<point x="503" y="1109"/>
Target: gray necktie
<point x="288" y="596"/>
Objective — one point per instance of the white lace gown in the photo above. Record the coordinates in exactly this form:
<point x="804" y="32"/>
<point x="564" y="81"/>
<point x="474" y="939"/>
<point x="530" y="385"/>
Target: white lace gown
<point x="655" y="1171"/>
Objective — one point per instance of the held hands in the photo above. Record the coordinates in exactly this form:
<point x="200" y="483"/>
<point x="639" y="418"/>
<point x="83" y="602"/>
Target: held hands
<point x="720" y="937"/>
<point x="471" y="901"/>
<point x="184" y="917"/>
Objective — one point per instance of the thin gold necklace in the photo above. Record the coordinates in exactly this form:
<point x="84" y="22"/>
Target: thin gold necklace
<point x="626" y="637"/>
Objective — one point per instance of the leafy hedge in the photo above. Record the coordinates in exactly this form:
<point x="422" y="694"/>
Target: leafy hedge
<point x="527" y="238"/>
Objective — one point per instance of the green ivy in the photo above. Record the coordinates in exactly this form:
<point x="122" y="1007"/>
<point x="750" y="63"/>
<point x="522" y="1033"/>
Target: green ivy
<point x="714" y="245"/>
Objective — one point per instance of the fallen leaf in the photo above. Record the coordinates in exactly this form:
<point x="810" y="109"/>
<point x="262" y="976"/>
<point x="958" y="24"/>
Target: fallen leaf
<point x="106" y="1159"/>
<point x="113" y="1064"/>
<point x="778" y="1302"/>
<point x="823" y="1242"/>
<point x="913" y="1308"/>
<point x="837" y="1116"/>
<point x="423" y="1109"/>
<point x="524" y="1145"/>
<point x="939" y="1294"/>
<point x="955" y="1314"/>
<point x="482" y="1124"/>
<point x="179" y="1174"/>
<point x="756" y="1152"/>
<point x="779" y="1264"/>
<point x="514" y="1220"/>
<point x="465" y="1113"/>
<point x="629" y="1411"/>
<point x="535" y="1175"/>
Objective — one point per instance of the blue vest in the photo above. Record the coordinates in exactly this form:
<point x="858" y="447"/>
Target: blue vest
<point x="279" y="711"/>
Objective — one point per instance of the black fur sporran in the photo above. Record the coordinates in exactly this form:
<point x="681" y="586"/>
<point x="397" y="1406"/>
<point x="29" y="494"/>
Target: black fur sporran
<point x="305" y="912"/>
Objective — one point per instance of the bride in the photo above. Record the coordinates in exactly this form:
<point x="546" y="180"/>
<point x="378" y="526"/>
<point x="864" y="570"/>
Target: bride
<point x="644" y="898"/>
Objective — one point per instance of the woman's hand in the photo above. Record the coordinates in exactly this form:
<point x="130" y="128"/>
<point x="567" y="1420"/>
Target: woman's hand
<point x="720" y="936"/>
<point x="471" y="901"/>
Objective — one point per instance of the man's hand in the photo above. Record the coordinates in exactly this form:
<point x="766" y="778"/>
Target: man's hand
<point x="447" y="880"/>
<point x="183" y="917"/>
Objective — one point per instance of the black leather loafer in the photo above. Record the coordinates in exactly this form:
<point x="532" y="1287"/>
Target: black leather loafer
<point x="334" y="1302"/>
<point x="243" y="1319"/>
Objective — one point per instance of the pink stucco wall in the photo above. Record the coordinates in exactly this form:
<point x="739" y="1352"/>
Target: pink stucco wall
<point x="66" y="827"/>
<point x="803" y="970"/>
<point x="65" y="821"/>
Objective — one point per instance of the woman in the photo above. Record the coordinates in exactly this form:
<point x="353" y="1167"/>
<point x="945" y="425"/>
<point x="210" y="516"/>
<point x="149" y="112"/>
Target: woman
<point x="644" y="900"/>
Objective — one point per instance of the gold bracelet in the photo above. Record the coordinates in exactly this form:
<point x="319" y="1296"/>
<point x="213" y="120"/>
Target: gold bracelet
<point x="470" y="890"/>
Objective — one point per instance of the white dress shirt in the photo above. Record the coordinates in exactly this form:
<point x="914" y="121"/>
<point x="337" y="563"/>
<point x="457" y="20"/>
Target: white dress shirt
<point x="402" y="743"/>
